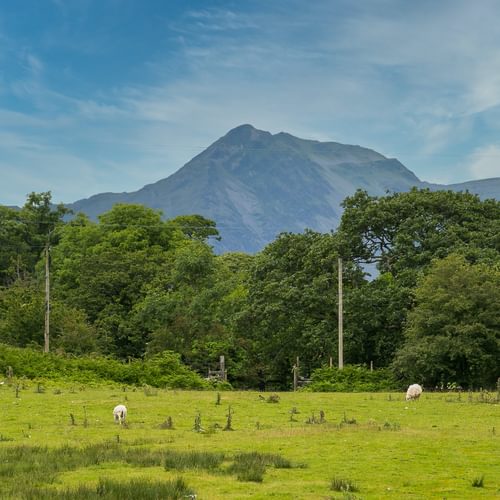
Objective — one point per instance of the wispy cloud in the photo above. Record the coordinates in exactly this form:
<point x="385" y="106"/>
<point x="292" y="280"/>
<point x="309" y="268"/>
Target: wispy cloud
<point x="417" y="80"/>
<point x="485" y="162"/>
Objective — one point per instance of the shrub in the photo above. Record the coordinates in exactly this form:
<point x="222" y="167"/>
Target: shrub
<point x="273" y="398"/>
<point x="162" y="370"/>
<point x="352" y="378"/>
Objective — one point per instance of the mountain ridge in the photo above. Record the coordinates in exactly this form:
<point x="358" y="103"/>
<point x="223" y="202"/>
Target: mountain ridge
<point x="255" y="185"/>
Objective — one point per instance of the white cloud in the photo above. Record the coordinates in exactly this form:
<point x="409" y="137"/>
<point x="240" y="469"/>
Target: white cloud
<point x="485" y="162"/>
<point x="34" y="64"/>
<point x="394" y="76"/>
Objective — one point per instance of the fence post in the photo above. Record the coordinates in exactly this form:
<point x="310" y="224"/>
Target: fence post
<point x="295" y="371"/>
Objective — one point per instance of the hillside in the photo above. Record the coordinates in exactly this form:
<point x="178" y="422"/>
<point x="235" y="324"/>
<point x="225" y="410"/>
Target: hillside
<point x="256" y="185"/>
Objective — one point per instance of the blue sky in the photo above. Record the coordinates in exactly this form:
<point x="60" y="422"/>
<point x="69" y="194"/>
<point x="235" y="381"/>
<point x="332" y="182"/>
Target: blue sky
<point x="110" y="95"/>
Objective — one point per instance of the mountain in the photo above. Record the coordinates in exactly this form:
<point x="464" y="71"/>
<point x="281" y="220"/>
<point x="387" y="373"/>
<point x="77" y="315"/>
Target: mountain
<point x="256" y="185"/>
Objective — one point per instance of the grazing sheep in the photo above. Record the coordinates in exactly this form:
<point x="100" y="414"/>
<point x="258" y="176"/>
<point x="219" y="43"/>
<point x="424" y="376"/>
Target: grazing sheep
<point x="120" y="413"/>
<point x="413" y="392"/>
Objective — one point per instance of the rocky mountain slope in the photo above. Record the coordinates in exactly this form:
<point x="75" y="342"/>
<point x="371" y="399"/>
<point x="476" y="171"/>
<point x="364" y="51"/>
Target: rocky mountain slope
<point x="256" y="185"/>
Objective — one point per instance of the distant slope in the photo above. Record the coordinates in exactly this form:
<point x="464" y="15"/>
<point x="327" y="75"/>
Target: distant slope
<point x="484" y="188"/>
<point x="256" y="185"/>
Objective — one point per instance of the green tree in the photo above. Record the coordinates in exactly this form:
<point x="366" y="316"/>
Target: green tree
<point x="403" y="232"/>
<point x="375" y="314"/>
<point x="188" y="309"/>
<point x="292" y="303"/>
<point x="15" y="251"/>
<point x="22" y="318"/>
<point x="196" y="227"/>
<point x="102" y="269"/>
<point x="22" y="313"/>
<point x="453" y="332"/>
<point x="25" y="233"/>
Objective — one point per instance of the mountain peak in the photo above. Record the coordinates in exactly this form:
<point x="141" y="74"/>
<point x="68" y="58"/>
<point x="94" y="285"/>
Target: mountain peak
<point x="243" y="134"/>
<point x="255" y="185"/>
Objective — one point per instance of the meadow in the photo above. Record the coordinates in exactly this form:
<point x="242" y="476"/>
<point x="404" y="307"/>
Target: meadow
<point x="60" y="441"/>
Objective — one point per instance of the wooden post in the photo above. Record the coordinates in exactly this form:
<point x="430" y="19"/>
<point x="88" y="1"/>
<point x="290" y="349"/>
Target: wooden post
<point x="331" y="362"/>
<point x="223" y="373"/>
<point x="47" y="300"/>
<point x="371" y="366"/>
<point x="295" y="371"/>
<point x="341" y="319"/>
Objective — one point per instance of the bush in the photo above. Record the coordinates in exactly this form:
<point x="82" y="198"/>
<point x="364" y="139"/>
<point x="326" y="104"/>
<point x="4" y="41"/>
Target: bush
<point x="163" y="370"/>
<point x="352" y="378"/>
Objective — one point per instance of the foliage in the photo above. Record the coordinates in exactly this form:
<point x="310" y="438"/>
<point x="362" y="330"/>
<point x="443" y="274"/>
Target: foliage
<point x="22" y="308"/>
<point x="453" y="332"/>
<point x="22" y="313"/>
<point x="403" y="232"/>
<point x="352" y="378"/>
<point x="133" y="285"/>
<point x="292" y="303"/>
<point x="196" y="227"/>
<point x="163" y="370"/>
<point x="189" y="309"/>
<point x="25" y="233"/>
<point x="344" y="485"/>
<point x="374" y="317"/>
<point x="478" y="482"/>
<point x="102" y="269"/>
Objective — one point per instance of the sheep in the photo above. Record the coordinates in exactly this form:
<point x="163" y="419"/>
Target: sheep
<point x="120" y="413"/>
<point x="413" y="392"/>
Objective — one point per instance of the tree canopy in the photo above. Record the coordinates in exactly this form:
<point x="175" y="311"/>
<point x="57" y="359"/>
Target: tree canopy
<point x="135" y="285"/>
<point x="453" y="332"/>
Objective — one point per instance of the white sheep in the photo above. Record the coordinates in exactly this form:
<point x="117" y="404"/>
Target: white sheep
<point x="120" y="413"/>
<point x="413" y="392"/>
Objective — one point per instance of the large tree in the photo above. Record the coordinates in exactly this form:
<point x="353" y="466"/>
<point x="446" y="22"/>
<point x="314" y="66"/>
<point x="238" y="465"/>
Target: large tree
<point x="191" y="309"/>
<point x="375" y="314"/>
<point x="292" y="303"/>
<point x="403" y="232"/>
<point x="25" y="233"/>
<point x="103" y="269"/>
<point x="453" y="332"/>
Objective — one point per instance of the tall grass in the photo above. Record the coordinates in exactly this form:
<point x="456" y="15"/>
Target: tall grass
<point x="183" y="460"/>
<point x="343" y="485"/>
<point x="111" y="490"/>
<point x="252" y="466"/>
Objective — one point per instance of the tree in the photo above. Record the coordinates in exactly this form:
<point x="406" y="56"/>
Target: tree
<point x="292" y="303"/>
<point x="25" y="233"/>
<point x="453" y="332"/>
<point x="15" y="252"/>
<point x="196" y="227"/>
<point x="375" y="314"/>
<point x="188" y="309"/>
<point x="22" y="320"/>
<point x="103" y="269"/>
<point x="403" y="232"/>
<point x="22" y="313"/>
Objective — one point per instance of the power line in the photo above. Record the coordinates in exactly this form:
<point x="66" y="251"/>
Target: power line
<point x="164" y="225"/>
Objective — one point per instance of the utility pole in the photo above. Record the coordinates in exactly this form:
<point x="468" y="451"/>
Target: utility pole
<point x="47" y="298"/>
<point x="341" y="319"/>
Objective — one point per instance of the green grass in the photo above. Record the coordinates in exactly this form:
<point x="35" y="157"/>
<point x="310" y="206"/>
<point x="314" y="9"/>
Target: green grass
<point x="440" y="446"/>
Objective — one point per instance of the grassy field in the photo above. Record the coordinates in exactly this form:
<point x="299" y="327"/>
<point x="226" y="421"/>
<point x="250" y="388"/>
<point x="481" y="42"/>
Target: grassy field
<point x="61" y="442"/>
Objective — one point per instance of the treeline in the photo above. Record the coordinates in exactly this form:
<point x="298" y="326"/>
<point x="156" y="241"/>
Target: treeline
<point x="133" y="285"/>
